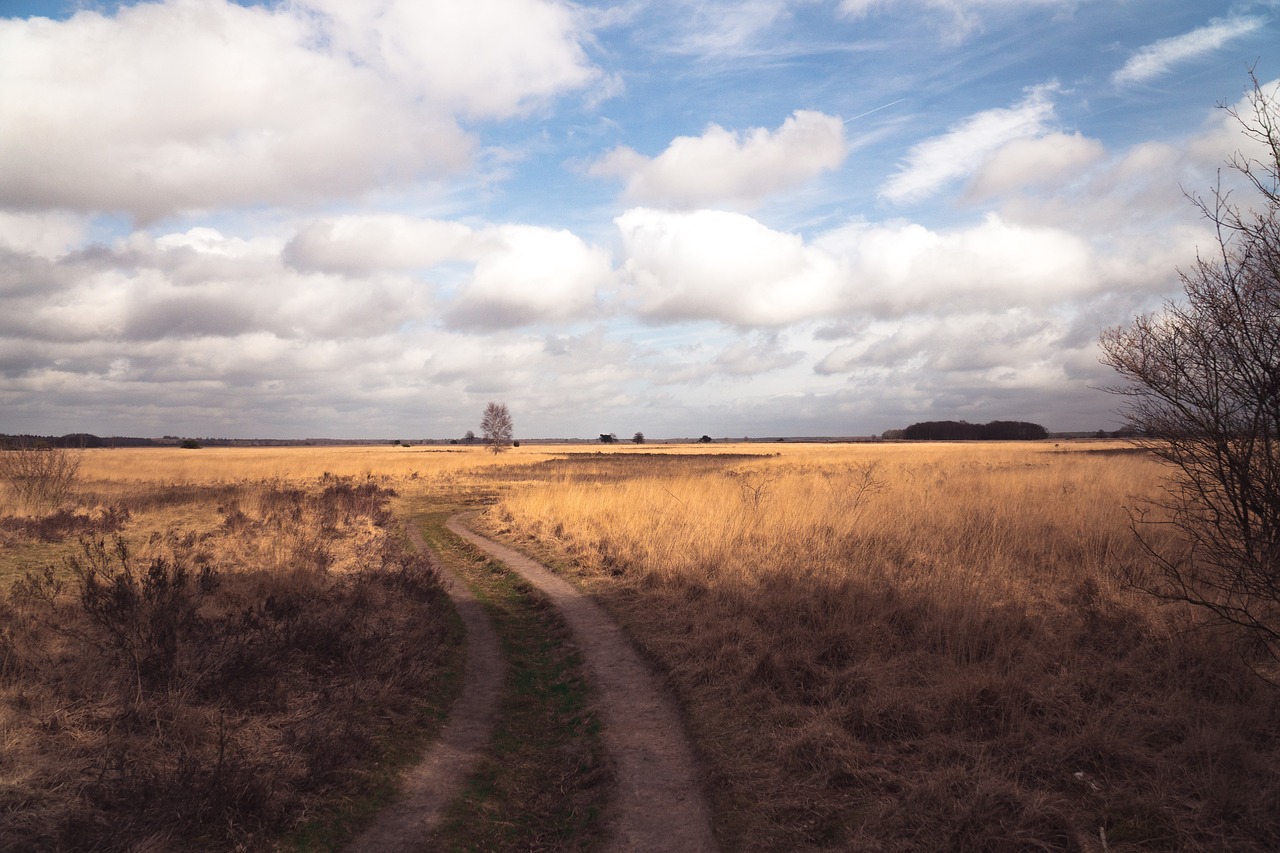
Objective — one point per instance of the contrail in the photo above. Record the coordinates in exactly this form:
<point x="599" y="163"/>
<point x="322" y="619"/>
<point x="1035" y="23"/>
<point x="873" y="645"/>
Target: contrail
<point x="876" y="110"/>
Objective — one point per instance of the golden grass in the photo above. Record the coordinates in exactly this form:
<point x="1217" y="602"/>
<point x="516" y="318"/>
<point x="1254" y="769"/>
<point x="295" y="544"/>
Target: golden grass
<point x="1000" y="523"/>
<point x="878" y="647"/>
<point x="907" y="646"/>
<point x="173" y="466"/>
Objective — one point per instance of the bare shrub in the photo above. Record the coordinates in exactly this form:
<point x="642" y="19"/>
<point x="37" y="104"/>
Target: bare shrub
<point x="1202" y="389"/>
<point x="40" y="478"/>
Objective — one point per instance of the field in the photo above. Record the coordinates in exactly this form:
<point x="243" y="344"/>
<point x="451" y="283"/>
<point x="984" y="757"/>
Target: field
<point x="876" y="647"/>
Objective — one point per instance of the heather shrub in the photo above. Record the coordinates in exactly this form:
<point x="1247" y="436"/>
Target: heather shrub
<point x="177" y="702"/>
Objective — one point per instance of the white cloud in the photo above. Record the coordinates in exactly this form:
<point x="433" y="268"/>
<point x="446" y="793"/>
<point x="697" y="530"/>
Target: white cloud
<point x="1044" y="161"/>
<point x="360" y="244"/>
<point x="209" y="241"/>
<point x="935" y="163"/>
<point x="958" y="342"/>
<point x="896" y="269"/>
<point x="723" y="266"/>
<point x="188" y="105"/>
<point x="730" y="268"/>
<point x="502" y="276"/>
<point x="526" y="275"/>
<point x="1159" y="57"/>
<point x="198" y="285"/>
<point x="46" y="235"/>
<point x="1223" y="138"/>
<point x="749" y="356"/>
<point x="723" y="166"/>
<point x="482" y="58"/>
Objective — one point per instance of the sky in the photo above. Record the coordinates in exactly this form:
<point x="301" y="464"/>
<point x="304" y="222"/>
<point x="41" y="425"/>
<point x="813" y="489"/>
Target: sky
<point x="331" y="218"/>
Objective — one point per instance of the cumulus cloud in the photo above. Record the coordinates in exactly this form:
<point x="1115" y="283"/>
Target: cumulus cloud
<point x="728" y="267"/>
<point x="358" y="244"/>
<point x="482" y="58"/>
<point x="188" y="105"/>
<point x="199" y="284"/>
<point x="750" y="356"/>
<point x="1046" y="161"/>
<point x="902" y="268"/>
<point x="502" y="276"/>
<point x="960" y="342"/>
<point x="723" y="166"/>
<point x="1223" y="139"/>
<point x="720" y="265"/>
<point x="526" y="275"/>
<point x="934" y="163"/>
<point x="1158" y="58"/>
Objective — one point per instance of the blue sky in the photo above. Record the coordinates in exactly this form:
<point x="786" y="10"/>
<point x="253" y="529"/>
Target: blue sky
<point x="763" y="218"/>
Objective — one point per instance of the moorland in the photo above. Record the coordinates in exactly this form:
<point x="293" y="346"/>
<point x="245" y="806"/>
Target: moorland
<point x="893" y="646"/>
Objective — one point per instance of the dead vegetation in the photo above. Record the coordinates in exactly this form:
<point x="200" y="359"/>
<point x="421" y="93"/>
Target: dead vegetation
<point x="877" y="647"/>
<point x="892" y="648"/>
<point x="39" y="479"/>
<point x="208" y="687"/>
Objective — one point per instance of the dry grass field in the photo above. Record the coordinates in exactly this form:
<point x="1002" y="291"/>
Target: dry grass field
<point x="895" y="647"/>
<point x="876" y="647"/>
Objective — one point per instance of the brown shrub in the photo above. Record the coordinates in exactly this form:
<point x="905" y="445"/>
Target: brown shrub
<point x="171" y="703"/>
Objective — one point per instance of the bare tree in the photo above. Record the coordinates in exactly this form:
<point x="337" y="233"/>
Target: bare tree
<point x="497" y="427"/>
<point x="1202" y="388"/>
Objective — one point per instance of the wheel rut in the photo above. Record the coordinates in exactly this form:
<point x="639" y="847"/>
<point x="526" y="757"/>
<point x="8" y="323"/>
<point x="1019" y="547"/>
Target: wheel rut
<point x="432" y="784"/>
<point x="658" y="805"/>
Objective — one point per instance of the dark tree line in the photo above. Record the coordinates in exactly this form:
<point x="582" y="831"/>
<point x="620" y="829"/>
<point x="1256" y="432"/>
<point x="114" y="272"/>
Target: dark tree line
<point x="71" y="441"/>
<point x="965" y="431"/>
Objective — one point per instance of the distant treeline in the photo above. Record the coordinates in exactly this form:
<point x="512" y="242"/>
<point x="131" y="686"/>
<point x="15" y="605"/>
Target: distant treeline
<point x="86" y="440"/>
<point x="73" y="440"/>
<point x="965" y="431"/>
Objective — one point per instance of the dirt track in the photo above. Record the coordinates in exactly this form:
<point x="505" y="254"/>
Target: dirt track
<point x="658" y="805"/>
<point x="436" y="780"/>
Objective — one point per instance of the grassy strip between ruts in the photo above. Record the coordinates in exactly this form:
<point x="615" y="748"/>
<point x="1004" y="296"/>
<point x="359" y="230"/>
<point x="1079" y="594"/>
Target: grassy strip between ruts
<point x="545" y="781"/>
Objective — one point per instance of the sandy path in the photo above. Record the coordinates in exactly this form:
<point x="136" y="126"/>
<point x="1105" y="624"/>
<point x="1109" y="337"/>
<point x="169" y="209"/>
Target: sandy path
<point x="658" y="805"/>
<point x="432" y="784"/>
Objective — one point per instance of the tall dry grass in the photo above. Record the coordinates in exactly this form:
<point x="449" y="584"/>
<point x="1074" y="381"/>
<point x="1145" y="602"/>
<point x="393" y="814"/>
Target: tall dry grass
<point x="908" y="647"/>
